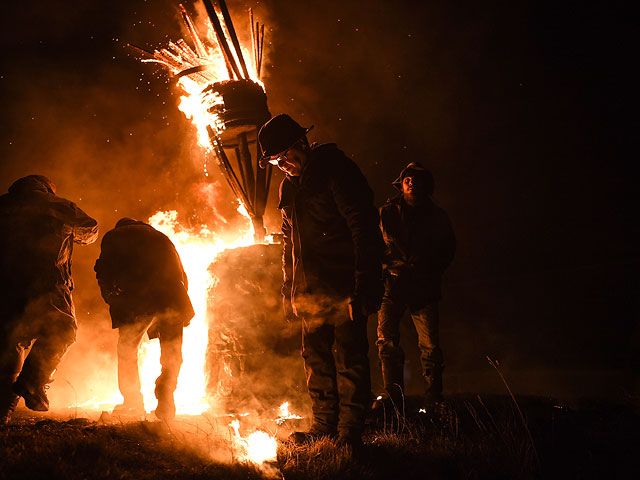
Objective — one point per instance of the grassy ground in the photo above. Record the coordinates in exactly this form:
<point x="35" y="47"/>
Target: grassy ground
<point x="472" y="438"/>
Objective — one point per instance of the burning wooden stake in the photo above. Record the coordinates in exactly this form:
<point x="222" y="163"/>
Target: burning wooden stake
<point x="222" y="39"/>
<point x="200" y="50"/>
<point x="234" y="37"/>
<point x="228" y="113"/>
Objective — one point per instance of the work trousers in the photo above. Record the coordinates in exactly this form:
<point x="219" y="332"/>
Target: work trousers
<point x="129" y="339"/>
<point x="33" y="342"/>
<point x="426" y="321"/>
<point x="335" y="351"/>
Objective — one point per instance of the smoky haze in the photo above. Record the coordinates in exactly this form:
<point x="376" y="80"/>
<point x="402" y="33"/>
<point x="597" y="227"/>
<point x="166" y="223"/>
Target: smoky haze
<point x="519" y="109"/>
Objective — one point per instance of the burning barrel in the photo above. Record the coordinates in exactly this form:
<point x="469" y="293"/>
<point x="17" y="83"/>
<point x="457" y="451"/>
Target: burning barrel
<point x="226" y="101"/>
<point x="240" y="106"/>
<point x="249" y="338"/>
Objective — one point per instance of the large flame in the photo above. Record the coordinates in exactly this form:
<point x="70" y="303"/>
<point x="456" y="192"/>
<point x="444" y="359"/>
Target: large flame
<point x="197" y="66"/>
<point x="208" y="59"/>
<point x="197" y="249"/>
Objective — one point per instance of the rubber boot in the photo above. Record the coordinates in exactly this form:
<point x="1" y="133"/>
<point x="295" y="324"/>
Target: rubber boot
<point x="130" y="407"/>
<point x="166" y="409"/>
<point x="35" y="397"/>
<point x="315" y="433"/>
<point x="392" y="400"/>
<point x="8" y="404"/>
<point x="433" y="379"/>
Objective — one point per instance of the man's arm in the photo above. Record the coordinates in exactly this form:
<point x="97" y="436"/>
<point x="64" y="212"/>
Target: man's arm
<point x="85" y="228"/>
<point x="106" y="268"/>
<point x="287" y="265"/>
<point x="354" y="200"/>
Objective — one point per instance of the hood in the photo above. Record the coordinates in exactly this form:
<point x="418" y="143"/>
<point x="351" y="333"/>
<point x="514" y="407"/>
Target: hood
<point x="33" y="183"/>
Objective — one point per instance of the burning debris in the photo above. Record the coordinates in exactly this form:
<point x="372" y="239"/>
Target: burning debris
<point x="225" y="99"/>
<point x="248" y="336"/>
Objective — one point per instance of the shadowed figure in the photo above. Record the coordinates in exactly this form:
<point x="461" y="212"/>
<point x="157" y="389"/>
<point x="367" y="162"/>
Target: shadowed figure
<point x="37" y="316"/>
<point x="141" y="278"/>
<point x="420" y="245"/>
<point x="332" y="272"/>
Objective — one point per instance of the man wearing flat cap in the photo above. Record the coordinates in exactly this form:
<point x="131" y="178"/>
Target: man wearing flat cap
<point x="332" y="273"/>
<point x="420" y="245"/>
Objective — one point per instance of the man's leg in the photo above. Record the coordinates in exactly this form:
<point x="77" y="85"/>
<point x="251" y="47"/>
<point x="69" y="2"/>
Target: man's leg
<point x="129" y="339"/>
<point x="320" y="369"/>
<point x="389" y="351"/>
<point x="352" y="364"/>
<point x="170" y="333"/>
<point x="426" y="320"/>
<point x="12" y="355"/>
<point x="52" y="319"/>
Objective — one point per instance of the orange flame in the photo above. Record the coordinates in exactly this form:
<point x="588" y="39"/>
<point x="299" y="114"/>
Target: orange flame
<point x="197" y="249"/>
<point x="258" y="447"/>
<point x="195" y="103"/>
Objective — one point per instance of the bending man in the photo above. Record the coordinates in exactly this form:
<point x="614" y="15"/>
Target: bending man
<point x="142" y="280"/>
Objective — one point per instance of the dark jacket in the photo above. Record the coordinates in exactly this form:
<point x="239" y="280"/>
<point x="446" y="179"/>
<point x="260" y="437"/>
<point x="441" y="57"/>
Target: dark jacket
<point x="140" y="272"/>
<point x="420" y="245"/>
<point x="37" y="233"/>
<point x="332" y="243"/>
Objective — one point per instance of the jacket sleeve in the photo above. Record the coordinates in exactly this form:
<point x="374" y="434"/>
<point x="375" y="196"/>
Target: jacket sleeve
<point x="185" y="279"/>
<point x="78" y="225"/>
<point x="106" y="271"/>
<point x="354" y="200"/>
<point x="287" y="258"/>
<point x="85" y="228"/>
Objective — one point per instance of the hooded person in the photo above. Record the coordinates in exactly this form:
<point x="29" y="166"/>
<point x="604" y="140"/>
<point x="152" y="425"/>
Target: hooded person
<point x="420" y="245"/>
<point x="142" y="279"/>
<point x="37" y="315"/>
<point x="332" y="273"/>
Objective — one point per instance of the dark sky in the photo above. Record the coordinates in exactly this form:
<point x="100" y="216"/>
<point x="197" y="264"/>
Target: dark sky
<point x="522" y="110"/>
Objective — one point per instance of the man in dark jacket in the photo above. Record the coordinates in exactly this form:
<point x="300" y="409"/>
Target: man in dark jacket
<point x="332" y="272"/>
<point x="37" y="316"/>
<point x="142" y="280"/>
<point x="420" y="245"/>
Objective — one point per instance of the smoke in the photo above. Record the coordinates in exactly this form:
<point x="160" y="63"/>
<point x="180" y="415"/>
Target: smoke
<point x="82" y="110"/>
<point x="519" y="120"/>
<point x="253" y="354"/>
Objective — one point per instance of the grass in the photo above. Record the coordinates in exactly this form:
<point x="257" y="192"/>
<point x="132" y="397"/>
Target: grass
<point x="82" y="449"/>
<point x="473" y="437"/>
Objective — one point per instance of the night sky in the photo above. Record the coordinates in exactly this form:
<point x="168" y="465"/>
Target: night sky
<point x="522" y="110"/>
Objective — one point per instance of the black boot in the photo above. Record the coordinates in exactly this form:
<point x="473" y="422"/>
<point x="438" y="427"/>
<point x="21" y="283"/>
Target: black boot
<point x="35" y="398"/>
<point x="7" y="406"/>
<point x="315" y="433"/>
<point x="433" y="379"/>
<point x="392" y="400"/>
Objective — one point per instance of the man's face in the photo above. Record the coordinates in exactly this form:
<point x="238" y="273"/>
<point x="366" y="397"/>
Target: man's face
<point x="291" y="160"/>
<point x="412" y="186"/>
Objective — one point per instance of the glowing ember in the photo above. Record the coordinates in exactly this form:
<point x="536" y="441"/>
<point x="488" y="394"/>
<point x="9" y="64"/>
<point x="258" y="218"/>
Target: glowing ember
<point x="258" y="447"/>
